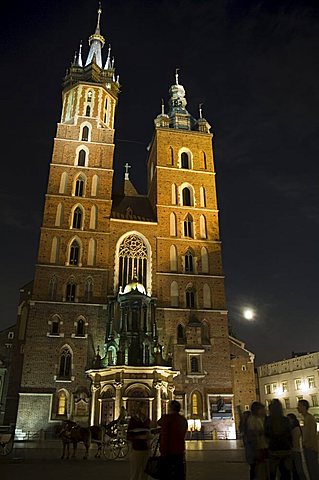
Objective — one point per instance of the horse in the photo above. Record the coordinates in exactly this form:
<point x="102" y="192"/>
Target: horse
<point x="70" y="432"/>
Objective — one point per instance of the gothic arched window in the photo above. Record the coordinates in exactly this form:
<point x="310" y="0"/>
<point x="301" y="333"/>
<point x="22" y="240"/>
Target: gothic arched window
<point x="174" y="294"/>
<point x="88" y="111"/>
<point x="81" y="158"/>
<point x="133" y="258"/>
<point x="185" y="160"/>
<point x="89" y="96"/>
<point x="173" y="258"/>
<point x="65" y="363"/>
<point x="55" y="327"/>
<point x="202" y="197"/>
<point x="74" y="253"/>
<point x="88" y="292"/>
<point x="189" y="262"/>
<point x="85" y="133"/>
<point x="77" y="218"/>
<point x="190" y="298"/>
<point x="187" y="197"/>
<point x="52" y="288"/>
<point x="188" y="227"/>
<point x="70" y="292"/>
<point x="194" y="365"/>
<point x="80" y="328"/>
<point x="204" y="258"/>
<point x="202" y="227"/>
<point x="62" y="402"/>
<point x="79" y="187"/>
<point x="196" y="405"/>
<point x="172" y="223"/>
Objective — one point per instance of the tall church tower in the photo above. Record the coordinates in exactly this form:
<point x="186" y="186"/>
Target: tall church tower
<point x="128" y="298"/>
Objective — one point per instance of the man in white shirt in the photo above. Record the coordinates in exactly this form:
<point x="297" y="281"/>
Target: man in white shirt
<point x="310" y="440"/>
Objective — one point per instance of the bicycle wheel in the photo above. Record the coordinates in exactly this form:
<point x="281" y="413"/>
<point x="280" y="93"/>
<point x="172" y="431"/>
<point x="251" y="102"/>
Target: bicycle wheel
<point x="124" y="448"/>
<point x="110" y="450"/>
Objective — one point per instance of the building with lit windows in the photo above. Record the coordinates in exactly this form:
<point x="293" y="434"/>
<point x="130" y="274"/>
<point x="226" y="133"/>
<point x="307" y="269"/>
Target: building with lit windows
<point x="128" y="299"/>
<point x="291" y="380"/>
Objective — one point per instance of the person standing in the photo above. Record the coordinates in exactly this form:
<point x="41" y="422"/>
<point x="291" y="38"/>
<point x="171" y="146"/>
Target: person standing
<point x="278" y="433"/>
<point x="138" y="433"/>
<point x="310" y="440"/>
<point x="256" y="448"/>
<point x="297" y="468"/>
<point x="172" y="442"/>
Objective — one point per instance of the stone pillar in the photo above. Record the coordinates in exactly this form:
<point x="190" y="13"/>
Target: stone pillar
<point x="94" y="412"/>
<point x="150" y="411"/>
<point x="118" y="387"/>
<point x="158" y="386"/>
<point x="171" y="389"/>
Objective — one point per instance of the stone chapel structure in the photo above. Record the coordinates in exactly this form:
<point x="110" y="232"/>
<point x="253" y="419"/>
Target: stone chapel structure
<point x="128" y="298"/>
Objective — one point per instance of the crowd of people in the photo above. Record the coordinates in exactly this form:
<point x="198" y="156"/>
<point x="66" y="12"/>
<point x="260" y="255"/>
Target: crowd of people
<point x="276" y="444"/>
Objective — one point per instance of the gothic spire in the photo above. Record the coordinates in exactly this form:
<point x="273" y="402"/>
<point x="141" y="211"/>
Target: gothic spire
<point x="108" y="63"/>
<point x="96" y="42"/>
<point x="79" y="59"/>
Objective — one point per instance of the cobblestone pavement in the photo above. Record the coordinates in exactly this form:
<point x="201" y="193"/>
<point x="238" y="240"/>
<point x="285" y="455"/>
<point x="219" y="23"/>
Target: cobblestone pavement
<point x="205" y="461"/>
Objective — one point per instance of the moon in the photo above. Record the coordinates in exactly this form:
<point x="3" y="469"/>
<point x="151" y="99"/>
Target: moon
<point x="249" y="314"/>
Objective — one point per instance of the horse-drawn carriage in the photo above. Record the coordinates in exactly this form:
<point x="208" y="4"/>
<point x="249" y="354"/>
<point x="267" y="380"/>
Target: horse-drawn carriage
<point x="110" y="439"/>
<point x="6" y="439"/>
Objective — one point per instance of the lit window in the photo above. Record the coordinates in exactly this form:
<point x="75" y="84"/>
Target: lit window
<point x="314" y="400"/>
<point x="287" y="402"/>
<point x="194" y="404"/>
<point x="62" y="404"/>
<point x="284" y="386"/>
<point x="311" y="382"/>
<point x="89" y="97"/>
<point x="273" y="387"/>
<point x="267" y="389"/>
<point x="298" y="384"/>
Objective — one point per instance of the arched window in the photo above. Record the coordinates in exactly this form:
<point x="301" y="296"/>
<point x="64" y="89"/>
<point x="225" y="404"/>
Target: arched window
<point x="63" y="182"/>
<point x="185" y="160"/>
<point x="202" y="227"/>
<point x="196" y="405"/>
<point x="91" y="251"/>
<point x="194" y="365"/>
<point x="52" y="288"/>
<point x="187" y="197"/>
<point x="74" y="253"/>
<point x="80" y="328"/>
<point x="55" y="327"/>
<point x="79" y="187"/>
<point x="95" y="184"/>
<point x="111" y="355"/>
<point x="59" y="215"/>
<point x="172" y="223"/>
<point x="188" y="226"/>
<point x="54" y="250"/>
<point x="202" y="197"/>
<point x="82" y="158"/>
<point x="77" y="218"/>
<point x="207" y="302"/>
<point x="204" y="258"/>
<point x="93" y="217"/>
<point x="173" y="258"/>
<point x="65" y="363"/>
<point x="89" y="96"/>
<point x="88" y="292"/>
<point x="174" y="194"/>
<point x="174" y="294"/>
<point x="70" y="292"/>
<point x="85" y="133"/>
<point x="190" y="298"/>
<point x="133" y="259"/>
<point x="88" y="111"/>
<point x="180" y="334"/>
<point x="62" y="403"/>
<point x="189" y="262"/>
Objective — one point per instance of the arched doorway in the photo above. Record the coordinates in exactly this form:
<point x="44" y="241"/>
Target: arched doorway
<point x="137" y="395"/>
<point x="107" y="406"/>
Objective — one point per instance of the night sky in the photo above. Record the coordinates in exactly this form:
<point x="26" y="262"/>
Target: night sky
<point x="254" y="65"/>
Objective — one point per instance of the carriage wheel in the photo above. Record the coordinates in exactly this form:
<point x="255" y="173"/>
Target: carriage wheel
<point x="6" y="448"/>
<point x="110" y="450"/>
<point x="124" y="448"/>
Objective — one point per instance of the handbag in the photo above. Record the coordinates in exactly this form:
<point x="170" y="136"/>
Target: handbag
<point x="154" y="465"/>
